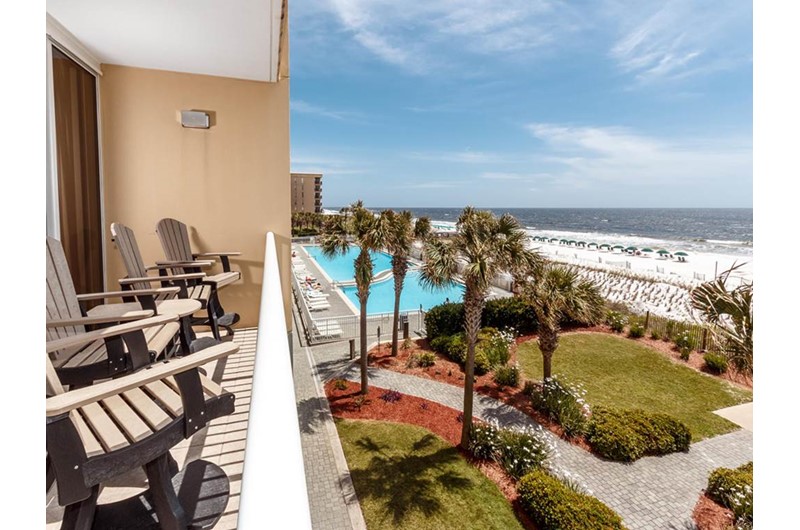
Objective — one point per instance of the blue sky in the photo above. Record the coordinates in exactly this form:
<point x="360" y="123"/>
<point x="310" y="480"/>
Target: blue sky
<point x="524" y="103"/>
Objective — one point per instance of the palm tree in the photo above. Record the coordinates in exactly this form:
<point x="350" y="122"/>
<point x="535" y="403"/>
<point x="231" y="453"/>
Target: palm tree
<point x="731" y="314"/>
<point x="557" y="292"/>
<point x="367" y="233"/>
<point x="401" y="233"/>
<point x="482" y="247"/>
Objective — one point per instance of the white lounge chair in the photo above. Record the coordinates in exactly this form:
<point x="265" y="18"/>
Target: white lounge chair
<point x="327" y="328"/>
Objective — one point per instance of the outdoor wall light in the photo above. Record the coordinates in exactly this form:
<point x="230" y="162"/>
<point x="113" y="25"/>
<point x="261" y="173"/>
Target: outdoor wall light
<point x="195" y="119"/>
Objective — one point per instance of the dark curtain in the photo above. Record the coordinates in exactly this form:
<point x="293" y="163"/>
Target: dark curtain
<point x="78" y="172"/>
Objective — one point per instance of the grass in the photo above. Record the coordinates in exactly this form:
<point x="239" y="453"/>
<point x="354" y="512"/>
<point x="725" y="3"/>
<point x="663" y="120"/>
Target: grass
<point x="408" y="478"/>
<point x="619" y="372"/>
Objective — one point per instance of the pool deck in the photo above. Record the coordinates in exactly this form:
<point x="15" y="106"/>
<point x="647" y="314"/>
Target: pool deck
<point x="340" y="305"/>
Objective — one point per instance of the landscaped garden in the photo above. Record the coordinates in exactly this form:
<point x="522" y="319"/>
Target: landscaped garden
<point x="619" y="372"/>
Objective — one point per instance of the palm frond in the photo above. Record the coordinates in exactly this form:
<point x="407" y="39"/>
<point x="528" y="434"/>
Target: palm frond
<point x="440" y="267"/>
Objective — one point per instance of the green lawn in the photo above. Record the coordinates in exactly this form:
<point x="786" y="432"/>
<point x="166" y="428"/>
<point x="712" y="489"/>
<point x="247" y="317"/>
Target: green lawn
<point x="408" y="478"/>
<point x="622" y="373"/>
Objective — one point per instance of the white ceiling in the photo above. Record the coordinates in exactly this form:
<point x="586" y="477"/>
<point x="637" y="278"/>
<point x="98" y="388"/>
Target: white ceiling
<point x="230" y="38"/>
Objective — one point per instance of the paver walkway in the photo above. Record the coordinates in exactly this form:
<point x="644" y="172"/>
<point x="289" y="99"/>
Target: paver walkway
<point x="332" y="499"/>
<point x="651" y="493"/>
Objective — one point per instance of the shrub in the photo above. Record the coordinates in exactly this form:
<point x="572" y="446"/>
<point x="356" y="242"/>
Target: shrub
<point x="360" y="400"/>
<point x="564" y="404"/>
<point x="636" y="330"/>
<point x="523" y="451"/>
<point x="554" y="506"/>
<point x="426" y="359"/>
<point x="340" y="384"/>
<point x="655" y="334"/>
<point x="407" y="343"/>
<point x="511" y="312"/>
<point x="495" y="345"/>
<point x="733" y="488"/>
<point x="484" y="440"/>
<point x="507" y="375"/>
<point x="457" y="348"/>
<point x="529" y="388"/>
<point x="716" y="362"/>
<point x="482" y="364"/>
<point x="391" y="396"/>
<point x="440" y="344"/>
<point x="684" y="340"/>
<point x="616" y="321"/>
<point x="627" y="435"/>
<point x="685" y="352"/>
<point x="444" y="319"/>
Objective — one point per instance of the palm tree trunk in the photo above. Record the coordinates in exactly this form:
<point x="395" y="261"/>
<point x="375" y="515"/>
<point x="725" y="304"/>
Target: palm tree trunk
<point x="548" y="342"/>
<point x="363" y="344"/>
<point x="473" y="308"/>
<point x="396" y="321"/>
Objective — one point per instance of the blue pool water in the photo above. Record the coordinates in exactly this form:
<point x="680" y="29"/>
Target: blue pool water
<point x="381" y="295"/>
<point x="340" y="267"/>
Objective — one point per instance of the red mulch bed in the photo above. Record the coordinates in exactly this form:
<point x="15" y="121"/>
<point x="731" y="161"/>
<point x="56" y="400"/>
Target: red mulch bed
<point x="708" y="515"/>
<point x="437" y="418"/>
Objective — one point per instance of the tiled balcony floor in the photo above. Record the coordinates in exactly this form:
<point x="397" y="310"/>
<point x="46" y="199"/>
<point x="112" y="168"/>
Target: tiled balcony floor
<point x="222" y="442"/>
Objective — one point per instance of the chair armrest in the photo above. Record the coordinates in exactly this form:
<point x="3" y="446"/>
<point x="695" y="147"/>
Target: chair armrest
<point x="176" y="264"/>
<point x="211" y="254"/>
<point x="105" y="333"/>
<point x="132" y="292"/>
<point x="153" y="279"/>
<point x="86" y="321"/>
<point x="63" y="403"/>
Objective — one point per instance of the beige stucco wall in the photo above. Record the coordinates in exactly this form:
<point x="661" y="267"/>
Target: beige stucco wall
<point x="229" y="183"/>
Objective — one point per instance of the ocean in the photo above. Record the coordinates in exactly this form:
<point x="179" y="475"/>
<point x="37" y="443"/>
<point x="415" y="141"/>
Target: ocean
<point x="700" y="230"/>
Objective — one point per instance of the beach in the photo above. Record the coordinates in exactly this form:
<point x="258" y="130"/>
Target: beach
<point x="644" y="282"/>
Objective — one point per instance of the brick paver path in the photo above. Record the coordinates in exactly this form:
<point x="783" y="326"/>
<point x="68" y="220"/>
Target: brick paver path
<point x="651" y="493"/>
<point x="332" y="499"/>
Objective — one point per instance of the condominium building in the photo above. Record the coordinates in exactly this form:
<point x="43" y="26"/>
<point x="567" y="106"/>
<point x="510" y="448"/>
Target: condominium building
<point x="306" y="192"/>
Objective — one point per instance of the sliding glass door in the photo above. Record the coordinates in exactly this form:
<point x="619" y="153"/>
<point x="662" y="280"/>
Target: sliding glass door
<point x="75" y="201"/>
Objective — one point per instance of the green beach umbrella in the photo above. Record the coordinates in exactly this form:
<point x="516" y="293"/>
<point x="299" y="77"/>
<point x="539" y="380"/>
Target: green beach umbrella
<point x="634" y="249"/>
<point x="592" y="244"/>
<point x="646" y="249"/>
<point x="571" y="242"/>
<point x="618" y="247"/>
<point x="681" y="253"/>
<point x="662" y="251"/>
<point x="604" y="245"/>
<point x="581" y="243"/>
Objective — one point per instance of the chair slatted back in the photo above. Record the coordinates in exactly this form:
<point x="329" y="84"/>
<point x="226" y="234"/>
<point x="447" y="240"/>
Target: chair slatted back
<point x="174" y="240"/>
<point x="62" y="300"/>
<point x="125" y="241"/>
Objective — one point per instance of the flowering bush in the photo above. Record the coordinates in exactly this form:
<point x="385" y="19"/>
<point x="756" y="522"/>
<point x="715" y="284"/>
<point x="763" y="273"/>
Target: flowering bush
<point x="617" y="321"/>
<point x="495" y="344"/>
<point x="563" y="403"/>
<point x="733" y="488"/>
<point x="517" y="451"/>
<point x="507" y="375"/>
<point x="683" y="340"/>
<point x="636" y="330"/>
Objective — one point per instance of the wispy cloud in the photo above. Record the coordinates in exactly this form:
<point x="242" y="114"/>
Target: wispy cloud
<point x="467" y="156"/>
<point x="429" y="185"/>
<point x="622" y="155"/>
<point x="326" y="165"/>
<point x="415" y="35"/>
<point x="304" y="107"/>
<point x="678" y="39"/>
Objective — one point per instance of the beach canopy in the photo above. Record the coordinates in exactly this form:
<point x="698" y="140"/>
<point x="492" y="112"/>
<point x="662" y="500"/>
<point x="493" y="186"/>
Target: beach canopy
<point x="615" y="247"/>
<point x="571" y="242"/>
<point x="631" y="248"/>
<point x="647" y="249"/>
<point x="662" y="251"/>
<point x="681" y="253"/>
<point x="592" y="244"/>
<point x="581" y="243"/>
<point x="605" y="245"/>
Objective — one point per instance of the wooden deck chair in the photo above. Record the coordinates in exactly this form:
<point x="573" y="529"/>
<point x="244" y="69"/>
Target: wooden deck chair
<point x="194" y="285"/>
<point x="97" y="433"/>
<point x="174" y="237"/>
<point x="145" y="341"/>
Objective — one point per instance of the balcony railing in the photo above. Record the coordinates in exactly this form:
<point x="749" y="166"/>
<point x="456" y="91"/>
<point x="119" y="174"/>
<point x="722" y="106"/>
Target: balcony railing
<point x="273" y="493"/>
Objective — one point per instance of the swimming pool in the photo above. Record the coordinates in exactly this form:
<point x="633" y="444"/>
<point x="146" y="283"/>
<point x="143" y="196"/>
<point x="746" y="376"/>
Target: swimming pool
<point x="340" y="267"/>
<point x="381" y="295"/>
